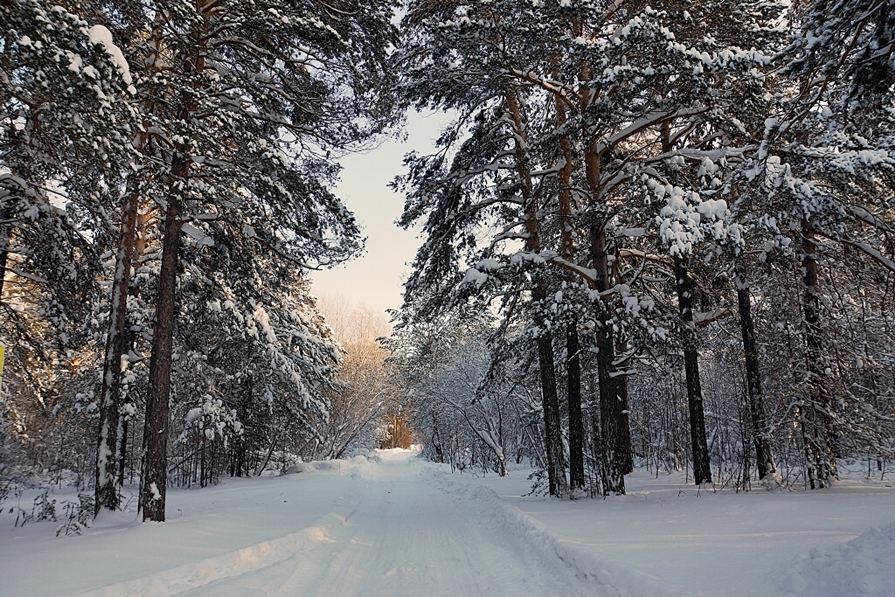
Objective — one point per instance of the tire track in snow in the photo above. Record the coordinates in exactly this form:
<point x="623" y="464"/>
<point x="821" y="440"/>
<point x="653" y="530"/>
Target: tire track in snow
<point x="261" y="555"/>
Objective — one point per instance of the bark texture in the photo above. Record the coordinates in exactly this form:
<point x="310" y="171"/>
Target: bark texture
<point x="612" y="470"/>
<point x="623" y="423"/>
<point x="155" y="435"/>
<point x="764" y="460"/>
<point x="552" y="431"/>
<point x="111" y="434"/>
<point x="5" y="238"/>
<point x="576" y="423"/>
<point x="573" y="362"/>
<point x="702" y="472"/>
<point x="817" y="425"/>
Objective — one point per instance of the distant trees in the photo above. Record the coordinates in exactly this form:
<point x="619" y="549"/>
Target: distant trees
<point x="463" y="401"/>
<point x="366" y="391"/>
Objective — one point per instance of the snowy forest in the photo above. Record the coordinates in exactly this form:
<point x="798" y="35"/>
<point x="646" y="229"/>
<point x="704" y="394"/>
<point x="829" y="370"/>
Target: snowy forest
<point x="654" y="236"/>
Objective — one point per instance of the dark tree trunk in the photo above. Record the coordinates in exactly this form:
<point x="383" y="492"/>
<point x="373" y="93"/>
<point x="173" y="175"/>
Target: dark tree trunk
<point x="576" y="424"/>
<point x="613" y="476"/>
<point x="764" y="460"/>
<point x="109" y="449"/>
<point x="623" y="424"/>
<point x="122" y="449"/>
<point x="273" y="445"/>
<point x="818" y="432"/>
<point x="702" y="472"/>
<point x="612" y="472"/>
<point x="573" y="350"/>
<point x="155" y="435"/>
<point x="610" y="407"/>
<point x="5" y="238"/>
<point x="556" y="473"/>
<point x="241" y="465"/>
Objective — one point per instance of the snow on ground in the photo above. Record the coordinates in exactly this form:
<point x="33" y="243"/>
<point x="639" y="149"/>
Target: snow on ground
<point x="396" y="526"/>
<point x="721" y="543"/>
<point x="864" y="566"/>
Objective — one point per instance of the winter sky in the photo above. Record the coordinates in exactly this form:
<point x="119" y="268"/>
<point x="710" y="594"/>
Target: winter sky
<point x="375" y="279"/>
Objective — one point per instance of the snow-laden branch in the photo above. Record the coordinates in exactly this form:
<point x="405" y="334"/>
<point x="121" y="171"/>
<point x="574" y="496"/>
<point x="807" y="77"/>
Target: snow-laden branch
<point x="650" y="120"/>
<point x="870" y="251"/>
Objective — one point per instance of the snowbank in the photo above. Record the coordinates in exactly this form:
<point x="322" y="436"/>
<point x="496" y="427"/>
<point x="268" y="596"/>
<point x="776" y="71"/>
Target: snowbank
<point x="863" y="566"/>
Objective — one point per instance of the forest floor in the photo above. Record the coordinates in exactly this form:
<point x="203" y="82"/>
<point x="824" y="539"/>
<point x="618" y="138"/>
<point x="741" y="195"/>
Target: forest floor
<point x="392" y="525"/>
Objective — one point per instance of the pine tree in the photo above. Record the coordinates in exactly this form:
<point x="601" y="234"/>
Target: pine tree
<point x="825" y="164"/>
<point x="243" y="96"/>
<point x="68" y="85"/>
<point x="600" y="99"/>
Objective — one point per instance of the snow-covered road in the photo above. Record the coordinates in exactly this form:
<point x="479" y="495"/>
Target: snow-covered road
<point x="403" y="536"/>
<point x="395" y="525"/>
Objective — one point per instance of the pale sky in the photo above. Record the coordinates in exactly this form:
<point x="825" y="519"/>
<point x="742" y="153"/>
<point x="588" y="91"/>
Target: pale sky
<point x="375" y="279"/>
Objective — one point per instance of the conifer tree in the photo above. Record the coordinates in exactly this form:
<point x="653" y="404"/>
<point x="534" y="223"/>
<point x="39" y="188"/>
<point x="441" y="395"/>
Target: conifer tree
<point x="826" y="165"/>
<point x="68" y="85"/>
<point x="243" y="104"/>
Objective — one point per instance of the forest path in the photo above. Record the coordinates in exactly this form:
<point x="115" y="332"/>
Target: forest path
<point x="394" y="526"/>
<point x="402" y="536"/>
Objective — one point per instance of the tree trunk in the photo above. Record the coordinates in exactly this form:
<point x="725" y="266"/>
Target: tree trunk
<point x="702" y="472"/>
<point x="576" y="423"/>
<point x="241" y="441"/>
<point x="108" y="450"/>
<point x="155" y="435"/>
<point x="556" y="472"/>
<point x="820" y="439"/>
<point x="5" y="238"/>
<point x="612" y="469"/>
<point x="552" y="431"/>
<point x="623" y="423"/>
<point x="122" y="448"/>
<point x="611" y="464"/>
<point x="611" y="417"/>
<point x="573" y="350"/>
<point x="263" y="464"/>
<point x="764" y="460"/>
